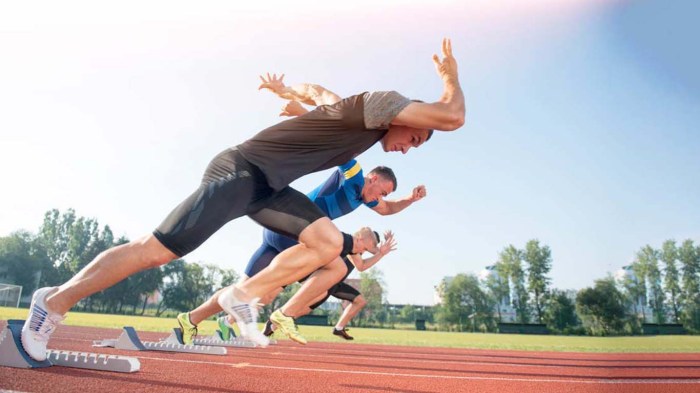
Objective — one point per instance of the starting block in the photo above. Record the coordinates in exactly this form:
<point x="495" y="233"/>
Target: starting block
<point x="129" y="340"/>
<point x="176" y="338"/>
<point x="12" y="354"/>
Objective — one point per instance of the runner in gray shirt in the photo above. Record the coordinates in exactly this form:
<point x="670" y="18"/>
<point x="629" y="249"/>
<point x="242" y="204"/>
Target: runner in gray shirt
<point x="253" y="179"/>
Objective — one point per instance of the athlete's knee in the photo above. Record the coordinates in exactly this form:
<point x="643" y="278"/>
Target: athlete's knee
<point x="360" y="301"/>
<point x="150" y="252"/>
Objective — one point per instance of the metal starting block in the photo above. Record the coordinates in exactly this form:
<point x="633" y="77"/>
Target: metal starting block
<point x="176" y="338"/>
<point x="12" y="354"/>
<point x="129" y="340"/>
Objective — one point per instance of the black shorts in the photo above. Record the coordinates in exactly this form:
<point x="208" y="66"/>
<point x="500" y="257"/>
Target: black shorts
<point x="341" y="290"/>
<point x="233" y="187"/>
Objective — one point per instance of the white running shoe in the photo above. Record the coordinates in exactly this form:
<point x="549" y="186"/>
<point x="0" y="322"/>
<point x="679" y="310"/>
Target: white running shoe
<point x="39" y="325"/>
<point x="246" y="316"/>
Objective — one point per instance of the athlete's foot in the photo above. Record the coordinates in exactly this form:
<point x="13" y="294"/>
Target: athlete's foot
<point x="269" y="329"/>
<point x="227" y="332"/>
<point x="287" y="326"/>
<point x="188" y="329"/>
<point x="342" y="333"/>
<point x="246" y="316"/>
<point x="39" y="325"/>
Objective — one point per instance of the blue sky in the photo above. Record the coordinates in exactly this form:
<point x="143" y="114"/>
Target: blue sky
<point x="582" y="124"/>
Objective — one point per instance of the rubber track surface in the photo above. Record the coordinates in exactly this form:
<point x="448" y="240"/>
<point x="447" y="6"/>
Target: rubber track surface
<point x="343" y="367"/>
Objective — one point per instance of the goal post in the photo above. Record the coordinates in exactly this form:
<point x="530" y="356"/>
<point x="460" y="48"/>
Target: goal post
<point x="10" y="295"/>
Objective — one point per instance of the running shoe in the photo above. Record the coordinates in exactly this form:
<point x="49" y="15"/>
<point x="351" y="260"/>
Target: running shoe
<point x="287" y="325"/>
<point x="269" y="330"/>
<point x="342" y="333"/>
<point x="188" y="329"/>
<point x="39" y="325"/>
<point x="246" y="316"/>
<point x="227" y="332"/>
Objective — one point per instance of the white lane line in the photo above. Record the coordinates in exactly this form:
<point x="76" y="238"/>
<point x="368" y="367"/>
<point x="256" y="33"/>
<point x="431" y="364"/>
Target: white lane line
<point x="408" y="375"/>
<point x="451" y="361"/>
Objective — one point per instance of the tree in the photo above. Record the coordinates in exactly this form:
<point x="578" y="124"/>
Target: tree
<point x="689" y="257"/>
<point x="497" y="286"/>
<point x="560" y="315"/>
<point x="71" y="242"/>
<point x="649" y="260"/>
<point x="539" y="260"/>
<point x="601" y="308"/>
<point x="669" y="255"/>
<point x="187" y="285"/>
<point x="511" y="258"/>
<point x="25" y="261"/>
<point x="465" y="306"/>
<point x="407" y="314"/>
<point x="372" y="287"/>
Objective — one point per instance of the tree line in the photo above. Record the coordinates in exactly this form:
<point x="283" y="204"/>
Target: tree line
<point x="660" y="286"/>
<point x="65" y="243"/>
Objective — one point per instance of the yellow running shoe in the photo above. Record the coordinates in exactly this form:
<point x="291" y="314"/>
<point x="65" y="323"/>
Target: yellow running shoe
<point x="188" y="329"/>
<point x="287" y="326"/>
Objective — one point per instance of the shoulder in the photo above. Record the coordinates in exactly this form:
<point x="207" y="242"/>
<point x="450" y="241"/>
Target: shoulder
<point x="381" y="107"/>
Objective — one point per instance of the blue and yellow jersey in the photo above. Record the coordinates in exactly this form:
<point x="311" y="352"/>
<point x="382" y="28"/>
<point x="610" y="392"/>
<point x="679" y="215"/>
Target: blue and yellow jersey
<point x="342" y="192"/>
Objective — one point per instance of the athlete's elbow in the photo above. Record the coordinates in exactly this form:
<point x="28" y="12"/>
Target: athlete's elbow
<point x="453" y="122"/>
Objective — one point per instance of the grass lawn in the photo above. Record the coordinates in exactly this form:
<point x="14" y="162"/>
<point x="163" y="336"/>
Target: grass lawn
<point x="412" y="337"/>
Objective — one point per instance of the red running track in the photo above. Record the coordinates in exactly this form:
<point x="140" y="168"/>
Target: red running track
<point x="344" y="367"/>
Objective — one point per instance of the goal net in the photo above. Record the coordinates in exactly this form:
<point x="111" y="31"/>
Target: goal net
<point x="10" y="295"/>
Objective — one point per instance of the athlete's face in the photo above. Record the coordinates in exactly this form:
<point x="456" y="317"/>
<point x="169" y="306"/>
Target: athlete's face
<point x="376" y="188"/>
<point x="365" y="241"/>
<point x="402" y="138"/>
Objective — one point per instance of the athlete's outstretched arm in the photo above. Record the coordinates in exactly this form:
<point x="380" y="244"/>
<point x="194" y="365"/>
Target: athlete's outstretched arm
<point x="447" y="114"/>
<point x="306" y="93"/>
<point x="386" y="208"/>
<point x="386" y="247"/>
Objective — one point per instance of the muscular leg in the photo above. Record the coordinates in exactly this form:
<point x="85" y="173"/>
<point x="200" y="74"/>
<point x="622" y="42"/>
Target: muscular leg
<point x="107" y="269"/>
<point x="319" y="244"/>
<point x="350" y="311"/>
<point x="318" y="284"/>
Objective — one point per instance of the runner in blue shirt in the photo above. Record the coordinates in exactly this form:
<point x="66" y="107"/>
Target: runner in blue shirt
<point x="343" y="192"/>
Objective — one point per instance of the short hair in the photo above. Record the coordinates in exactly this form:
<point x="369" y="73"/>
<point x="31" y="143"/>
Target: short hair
<point x="369" y="234"/>
<point x="386" y="173"/>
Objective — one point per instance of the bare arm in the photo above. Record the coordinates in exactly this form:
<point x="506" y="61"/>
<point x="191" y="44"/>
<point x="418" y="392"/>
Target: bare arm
<point x="306" y="93"/>
<point x="386" y="208"/>
<point x="386" y="247"/>
<point x="447" y="114"/>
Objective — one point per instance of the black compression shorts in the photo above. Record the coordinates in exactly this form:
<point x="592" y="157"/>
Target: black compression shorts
<point x="341" y="290"/>
<point x="232" y="187"/>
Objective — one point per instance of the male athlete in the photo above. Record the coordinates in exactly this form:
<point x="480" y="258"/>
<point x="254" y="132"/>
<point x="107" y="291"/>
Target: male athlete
<point x="343" y="192"/>
<point x="253" y="179"/>
<point x="344" y="291"/>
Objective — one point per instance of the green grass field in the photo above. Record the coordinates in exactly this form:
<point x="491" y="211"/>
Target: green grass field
<point x="412" y="337"/>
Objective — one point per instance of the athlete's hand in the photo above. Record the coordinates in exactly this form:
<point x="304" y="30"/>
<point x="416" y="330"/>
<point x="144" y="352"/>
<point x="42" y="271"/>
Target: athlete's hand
<point x="272" y="83"/>
<point x="447" y="68"/>
<point x="388" y="245"/>
<point x="293" y="108"/>
<point x="418" y="193"/>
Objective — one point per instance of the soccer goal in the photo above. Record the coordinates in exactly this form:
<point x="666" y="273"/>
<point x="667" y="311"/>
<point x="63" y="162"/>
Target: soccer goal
<point x="10" y="295"/>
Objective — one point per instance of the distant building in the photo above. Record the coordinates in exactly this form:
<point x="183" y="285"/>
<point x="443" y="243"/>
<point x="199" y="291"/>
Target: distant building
<point x="440" y="289"/>
<point x="504" y="307"/>
<point x="638" y="306"/>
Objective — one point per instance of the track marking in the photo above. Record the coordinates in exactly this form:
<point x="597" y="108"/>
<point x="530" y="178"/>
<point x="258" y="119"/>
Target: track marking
<point x="656" y="381"/>
<point x="494" y="363"/>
